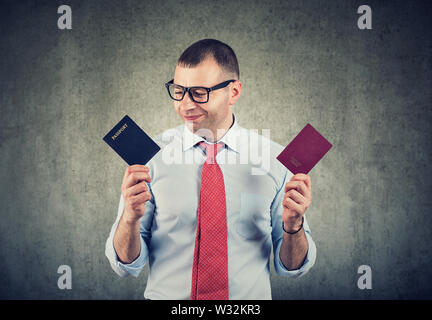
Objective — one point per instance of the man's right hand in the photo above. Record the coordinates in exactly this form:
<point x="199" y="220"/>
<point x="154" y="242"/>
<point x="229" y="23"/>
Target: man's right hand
<point x="135" y="192"/>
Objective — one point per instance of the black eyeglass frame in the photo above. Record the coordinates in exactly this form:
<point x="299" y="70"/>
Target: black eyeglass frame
<point x="187" y="89"/>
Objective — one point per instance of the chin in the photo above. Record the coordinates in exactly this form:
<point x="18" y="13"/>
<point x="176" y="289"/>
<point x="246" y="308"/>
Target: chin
<point x="200" y="129"/>
<point x="192" y="126"/>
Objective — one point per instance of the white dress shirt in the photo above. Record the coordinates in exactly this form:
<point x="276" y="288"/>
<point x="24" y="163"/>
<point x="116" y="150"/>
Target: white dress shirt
<point x="254" y="187"/>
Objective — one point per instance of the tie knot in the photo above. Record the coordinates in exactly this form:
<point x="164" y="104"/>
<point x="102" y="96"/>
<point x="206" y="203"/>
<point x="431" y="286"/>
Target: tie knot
<point x="211" y="150"/>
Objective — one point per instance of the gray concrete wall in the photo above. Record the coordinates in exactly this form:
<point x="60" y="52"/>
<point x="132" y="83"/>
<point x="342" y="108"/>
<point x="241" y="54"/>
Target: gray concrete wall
<point x="367" y="91"/>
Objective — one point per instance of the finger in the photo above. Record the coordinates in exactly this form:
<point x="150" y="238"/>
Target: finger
<point x="143" y="196"/>
<point x="302" y="177"/>
<point x="139" y="198"/>
<point x="292" y="205"/>
<point x="134" y="168"/>
<point x="296" y="196"/>
<point x="136" y="177"/>
<point x="136" y="189"/>
<point x="300" y="186"/>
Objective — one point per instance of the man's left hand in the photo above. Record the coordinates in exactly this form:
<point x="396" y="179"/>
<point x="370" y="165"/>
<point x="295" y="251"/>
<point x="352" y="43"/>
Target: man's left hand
<point x="297" y="198"/>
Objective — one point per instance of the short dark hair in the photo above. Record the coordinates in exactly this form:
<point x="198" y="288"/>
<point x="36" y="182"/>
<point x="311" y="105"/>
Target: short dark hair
<point x="202" y="49"/>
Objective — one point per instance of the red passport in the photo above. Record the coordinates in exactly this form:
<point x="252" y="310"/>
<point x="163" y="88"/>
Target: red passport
<point x="304" y="151"/>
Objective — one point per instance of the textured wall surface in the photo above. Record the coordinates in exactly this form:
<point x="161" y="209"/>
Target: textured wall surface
<point x="367" y="91"/>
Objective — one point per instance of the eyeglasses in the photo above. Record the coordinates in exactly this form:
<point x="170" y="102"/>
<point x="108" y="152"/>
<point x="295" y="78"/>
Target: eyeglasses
<point x="197" y="94"/>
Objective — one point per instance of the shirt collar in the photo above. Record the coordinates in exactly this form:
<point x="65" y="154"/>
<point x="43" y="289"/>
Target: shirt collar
<point x="230" y="139"/>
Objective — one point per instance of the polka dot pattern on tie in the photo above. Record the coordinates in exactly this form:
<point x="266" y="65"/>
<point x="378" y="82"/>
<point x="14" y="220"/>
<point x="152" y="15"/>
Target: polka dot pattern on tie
<point x="210" y="264"/>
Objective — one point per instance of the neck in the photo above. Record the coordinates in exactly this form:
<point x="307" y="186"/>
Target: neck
<point x="222" y="130"/>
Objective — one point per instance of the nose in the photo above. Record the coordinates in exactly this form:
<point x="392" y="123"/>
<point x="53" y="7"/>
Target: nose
<point x="187" y="103"/>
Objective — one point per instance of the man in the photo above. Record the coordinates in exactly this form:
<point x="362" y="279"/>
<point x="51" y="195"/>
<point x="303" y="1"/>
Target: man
<point x="203" y="217"/>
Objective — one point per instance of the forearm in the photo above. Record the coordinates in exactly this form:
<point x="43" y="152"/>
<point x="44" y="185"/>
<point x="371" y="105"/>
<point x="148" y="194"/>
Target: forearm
<point x="293" y="250"/>
<point x="127" y="240"/>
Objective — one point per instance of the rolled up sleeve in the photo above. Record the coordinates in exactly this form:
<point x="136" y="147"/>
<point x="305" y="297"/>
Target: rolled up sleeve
<point x="307" y="263"/>
<point x="277" y="236"/>
<point x="134" y="268"/>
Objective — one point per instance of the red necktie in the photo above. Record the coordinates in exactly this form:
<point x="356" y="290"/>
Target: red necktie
<point x="210" y="264"/>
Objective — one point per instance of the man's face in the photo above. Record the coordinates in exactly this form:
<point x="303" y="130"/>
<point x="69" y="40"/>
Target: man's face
<point x="214" y="114"/>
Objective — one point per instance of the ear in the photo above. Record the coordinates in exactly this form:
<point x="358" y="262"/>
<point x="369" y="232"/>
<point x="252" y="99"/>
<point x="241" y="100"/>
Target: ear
<point x="235" y="92"/>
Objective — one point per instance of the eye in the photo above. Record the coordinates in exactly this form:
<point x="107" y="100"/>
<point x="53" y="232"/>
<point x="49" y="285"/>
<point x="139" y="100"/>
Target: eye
<point x="199" y="92"/>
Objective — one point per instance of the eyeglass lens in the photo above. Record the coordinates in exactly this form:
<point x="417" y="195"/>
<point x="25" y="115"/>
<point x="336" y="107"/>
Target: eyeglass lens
<point x="198" y="94"/>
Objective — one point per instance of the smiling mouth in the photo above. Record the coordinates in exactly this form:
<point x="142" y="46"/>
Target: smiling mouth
<point x="191" y="118"/>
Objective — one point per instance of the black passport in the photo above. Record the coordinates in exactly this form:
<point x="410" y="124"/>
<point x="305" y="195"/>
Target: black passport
<point x="131" y="142"/>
